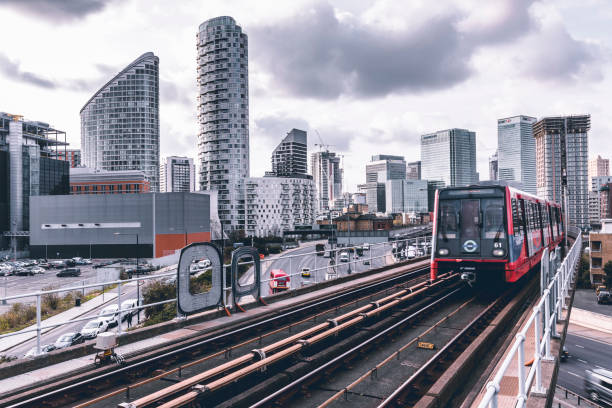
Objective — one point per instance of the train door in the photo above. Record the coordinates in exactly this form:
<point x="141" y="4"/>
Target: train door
<point x="527" y="220"/>
<point x="470" y="224"/>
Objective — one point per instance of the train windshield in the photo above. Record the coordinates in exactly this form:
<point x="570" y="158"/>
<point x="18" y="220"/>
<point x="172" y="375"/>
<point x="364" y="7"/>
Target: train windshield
<point x="448" y="219"/>
<point x="494" y="219"/>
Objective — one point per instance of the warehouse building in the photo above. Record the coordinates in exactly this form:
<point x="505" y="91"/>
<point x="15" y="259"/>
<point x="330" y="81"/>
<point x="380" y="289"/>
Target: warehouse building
<point x="118" y="225"/>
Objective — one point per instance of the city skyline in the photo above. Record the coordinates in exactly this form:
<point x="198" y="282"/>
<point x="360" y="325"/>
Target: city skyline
<point x="342" y="114"/>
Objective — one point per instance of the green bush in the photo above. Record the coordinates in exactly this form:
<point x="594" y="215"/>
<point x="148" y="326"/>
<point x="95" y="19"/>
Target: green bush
<point x="157" y="292"/>
<point x="50" y="300"/>
<point x="584" y="273"/>
<point x="200" y="283"/>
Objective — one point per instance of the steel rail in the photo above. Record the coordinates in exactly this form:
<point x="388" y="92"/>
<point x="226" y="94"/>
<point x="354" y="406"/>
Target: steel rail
<point x="40" y="399"/>
<point x="269" y="399"/>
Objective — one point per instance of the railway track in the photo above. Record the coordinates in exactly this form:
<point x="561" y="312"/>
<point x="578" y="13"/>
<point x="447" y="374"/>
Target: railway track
<point x="140" y="372"/>
<point x="250" y="374"/>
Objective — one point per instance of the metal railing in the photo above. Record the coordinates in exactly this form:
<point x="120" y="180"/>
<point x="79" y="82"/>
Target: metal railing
<point x="384" y="250"/>
<point x="548" y="310"/>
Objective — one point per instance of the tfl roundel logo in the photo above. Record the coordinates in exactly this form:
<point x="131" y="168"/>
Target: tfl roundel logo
<point x="470" y="246"/>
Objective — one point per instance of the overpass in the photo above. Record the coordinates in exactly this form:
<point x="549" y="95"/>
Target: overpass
<point x="383" y="336"/>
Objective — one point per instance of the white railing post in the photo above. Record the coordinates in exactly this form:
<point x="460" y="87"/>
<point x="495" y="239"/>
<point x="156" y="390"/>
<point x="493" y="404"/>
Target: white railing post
<point x="537" y="355"/>
<point x="521" y="366"/>
<point x="316" y="255"/>
<point x="119" y="305"/>
<point x="38" y="305"/>
<point x="547" y="328"/>
<point x="495" y="389"/>
<point x="290" y="269"/>
<point x="371" y="249"/>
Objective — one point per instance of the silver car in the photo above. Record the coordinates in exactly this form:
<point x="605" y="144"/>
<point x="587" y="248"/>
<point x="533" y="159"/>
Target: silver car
<point x="598" y="384"/>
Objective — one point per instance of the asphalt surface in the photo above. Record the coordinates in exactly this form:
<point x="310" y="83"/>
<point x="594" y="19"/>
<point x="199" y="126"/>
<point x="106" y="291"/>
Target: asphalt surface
<point x="128" y="291"/>
<point x="584" y="354"/>
<point x="586" y="299"/>
<point x="321" y="267"/>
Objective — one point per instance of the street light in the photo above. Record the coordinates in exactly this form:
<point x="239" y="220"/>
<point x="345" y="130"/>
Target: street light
<point x="137" y="274"/>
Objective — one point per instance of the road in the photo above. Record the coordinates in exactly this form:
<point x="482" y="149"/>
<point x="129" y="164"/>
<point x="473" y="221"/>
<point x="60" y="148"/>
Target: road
<point x="128" y="291"/>
<point x="295" y="260"/>
<point x="584" y="354"/>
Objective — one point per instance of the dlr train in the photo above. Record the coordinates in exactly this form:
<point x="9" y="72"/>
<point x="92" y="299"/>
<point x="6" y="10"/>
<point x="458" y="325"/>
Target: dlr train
<point x="492" y="234"/>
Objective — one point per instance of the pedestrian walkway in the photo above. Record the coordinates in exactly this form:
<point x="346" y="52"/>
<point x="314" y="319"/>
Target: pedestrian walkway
<point x="592" y="320"/>
<point x="7" y="343"/>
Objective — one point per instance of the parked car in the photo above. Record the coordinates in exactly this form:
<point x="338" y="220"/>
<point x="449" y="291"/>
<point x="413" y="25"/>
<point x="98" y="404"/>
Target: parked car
<point x="600" y="288"/>
<point x="128" y="304"/>
<point x="344" y="257"/>
<point x="69" y="339"/>
<point x="93" y="328"/>
<point x="366" y="261"/>
<point x="57" y="264"/>
<point x="305" y="272"/>
<point x="43" y="350"/>
<point x="365" y="246"/>
<point x="604" y="297"/>
<point x="411" y="252"/>
<point x="110" y="314"/>
<point x="102" y="264"/>
<point x="204" y="263"/>
<point x="68" y="272"/>
<point x="37" y="270"/>
<point x="598" y="384"/>
<point x="22" y="271"/>
<point x="69" y="263"/>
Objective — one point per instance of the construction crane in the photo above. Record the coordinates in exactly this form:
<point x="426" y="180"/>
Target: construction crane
<point x="322" y="145"/>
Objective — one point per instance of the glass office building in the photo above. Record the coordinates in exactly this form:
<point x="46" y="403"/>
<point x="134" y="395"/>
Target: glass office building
<point x="449" y="156"/>
<point x="516" y="151"/>
<point x="223" y="113"/>
<point x="120" y="123"/>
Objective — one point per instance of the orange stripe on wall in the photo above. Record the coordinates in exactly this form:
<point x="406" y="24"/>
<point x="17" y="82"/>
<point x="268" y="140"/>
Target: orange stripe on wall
<point x="166" y="244"/>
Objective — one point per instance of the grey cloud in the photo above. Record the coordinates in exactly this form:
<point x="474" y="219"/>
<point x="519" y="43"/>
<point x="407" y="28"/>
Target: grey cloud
<point x="314" y="54"/>
<point x="13" y="71"/>
<point x="58" y="10"/>
<point x="555" y="55"/>
<point x="513" y="21"/>
<point x="170" y="92"/>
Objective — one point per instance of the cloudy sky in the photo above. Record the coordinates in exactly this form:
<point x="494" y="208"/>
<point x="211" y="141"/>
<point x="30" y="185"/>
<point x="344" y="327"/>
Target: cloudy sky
<point x="370" y="76"/>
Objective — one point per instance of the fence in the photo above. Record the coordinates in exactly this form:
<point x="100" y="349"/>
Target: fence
<point x="394" y="251"/>
<point x="553" y="297"/>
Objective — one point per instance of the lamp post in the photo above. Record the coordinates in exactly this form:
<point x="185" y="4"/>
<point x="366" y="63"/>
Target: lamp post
<point x="137" y="274"/>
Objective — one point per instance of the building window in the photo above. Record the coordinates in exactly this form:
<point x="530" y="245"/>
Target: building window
<point x="596" y="246"/>
<point x="595" y="262"/>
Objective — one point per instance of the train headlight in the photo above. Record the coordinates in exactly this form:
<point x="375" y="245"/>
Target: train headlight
<point x="443" y="251"/>
<point x="499" y="252"/>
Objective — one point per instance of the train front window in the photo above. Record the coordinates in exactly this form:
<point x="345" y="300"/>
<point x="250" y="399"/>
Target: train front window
<point x="494" y="219"/>
<point x="448" y="220"/>
<point x="470" y="219"/>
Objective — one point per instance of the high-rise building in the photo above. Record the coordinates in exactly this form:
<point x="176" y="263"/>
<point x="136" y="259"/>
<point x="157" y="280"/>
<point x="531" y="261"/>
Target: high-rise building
<point x="73" y="156"/>
<point x="449" y="156"/>
<point x="562" y="150"/>
<point x="598" y="167"/>
<point x="375" y="196"/>
<point x="120" y="122"/>
<point x="223" y="113"/>
<point x="516" y="151"/>
<point x="290" y="157"/>
<point x="406" y="196"/>
<point x="28" y="167"/>
<point x="493" y="167"/>
<point x="385" y="167"/>
<point x="277" y="204"/>
<point x="413" y="170"/>
<point x="327" y="176"/>
<point x="598" y="198"/>
<point x="177" y="175"/>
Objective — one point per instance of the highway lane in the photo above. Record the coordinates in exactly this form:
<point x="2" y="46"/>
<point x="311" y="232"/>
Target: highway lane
<point x="584" y="354"/>
<point x="128" y="291"/>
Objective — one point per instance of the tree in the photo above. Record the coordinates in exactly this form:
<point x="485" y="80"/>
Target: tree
<point x="608" y="272"/>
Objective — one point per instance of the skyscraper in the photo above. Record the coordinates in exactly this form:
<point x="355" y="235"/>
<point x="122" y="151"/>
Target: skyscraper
<point x="385" y="167"/>
<point x="413" y="170"/>
<point x="177" y="175"/>
<point x="493" y="167"/>
<point x="290" y="157"/>
<point x="516" y="151"/>
<point x="449" y="156"/>
<point x="120" y="122"/>
<point x="562" y="150"/>
<point x="598" y="167"/>
<point x="327" y="176"/>
<point x="223" y="113"/>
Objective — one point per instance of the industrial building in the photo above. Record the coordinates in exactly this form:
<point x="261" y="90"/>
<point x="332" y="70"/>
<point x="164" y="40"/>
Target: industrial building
<point x="562" y="149"/>
<point x="28" y="168"/>
<point x="118" y="225"/>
